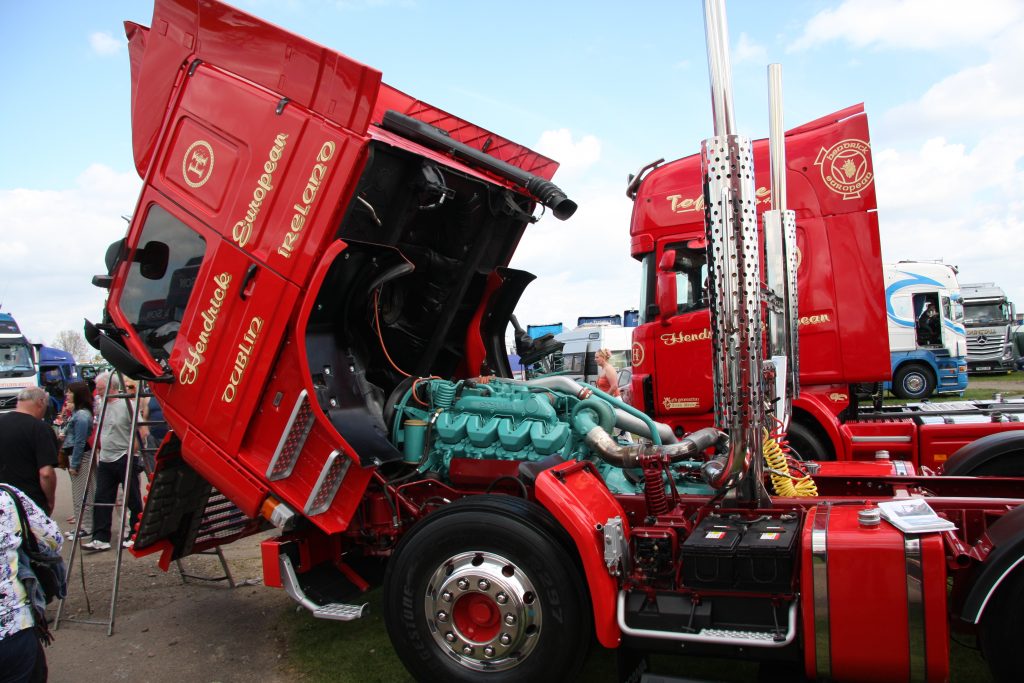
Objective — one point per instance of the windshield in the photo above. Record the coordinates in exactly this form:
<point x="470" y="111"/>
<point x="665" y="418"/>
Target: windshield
<point x="155" y="305"/>
<point x="986" y="313"/>
<point x="15" y="359"/>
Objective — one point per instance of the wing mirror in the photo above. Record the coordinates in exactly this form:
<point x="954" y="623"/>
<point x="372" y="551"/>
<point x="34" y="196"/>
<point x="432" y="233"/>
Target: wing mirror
<point x="667" y="295"/>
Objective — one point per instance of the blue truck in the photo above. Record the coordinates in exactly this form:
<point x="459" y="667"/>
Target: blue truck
<point x="927" y="340"/>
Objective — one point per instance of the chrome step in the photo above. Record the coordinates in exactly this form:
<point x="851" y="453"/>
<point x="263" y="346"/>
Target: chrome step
<point x="336" y="610"/>
<point x="341" y="612"/>
<point x="716" y="636"/>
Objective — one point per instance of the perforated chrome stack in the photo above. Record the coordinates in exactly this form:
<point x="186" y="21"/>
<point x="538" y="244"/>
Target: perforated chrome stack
<point x="734" y="291"/>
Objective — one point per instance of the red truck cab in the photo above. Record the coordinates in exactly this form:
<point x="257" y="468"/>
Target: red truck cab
<point x="293" y="259"/>
<point x="843" y="338"/>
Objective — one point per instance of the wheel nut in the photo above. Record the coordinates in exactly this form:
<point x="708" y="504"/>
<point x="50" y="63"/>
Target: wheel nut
<point x="442" y="616"/>
<point x="484" y="584"/>
<point x="450" y="637"/>
<point x="463" y="584"/>
<point x="501" y="598"/>
<point x="505" y="639"/>
<point x="510" y="619"/>
<point x="446" y="596"/>
<point x="488" y="651"/>
<point x="467" y="650"/>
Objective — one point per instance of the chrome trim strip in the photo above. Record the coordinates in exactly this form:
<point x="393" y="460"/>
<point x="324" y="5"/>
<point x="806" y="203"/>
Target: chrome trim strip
<point x="915" y="608"/>
<point x="819" y="589"/>
<point x="880" y="439"/>
<point x="324" y="504"/>
<point x="713" y="639"/>
<point x="900" y="466"/>
<point x="981" y="610"/>
<point x="284" y="440"/>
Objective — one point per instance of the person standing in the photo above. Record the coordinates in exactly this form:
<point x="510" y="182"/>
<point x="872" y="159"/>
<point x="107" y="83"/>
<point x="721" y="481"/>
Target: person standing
<point x="28" y="449"/>
<point x="153" y="435"/>
<point x="78" y="448"/>
<point x="114" y="458"/>
<point x="607" y="375"/>
<point x="21" y="653"/>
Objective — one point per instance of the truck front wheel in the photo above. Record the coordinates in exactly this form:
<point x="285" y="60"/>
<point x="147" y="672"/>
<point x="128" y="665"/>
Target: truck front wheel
<point x="806" y="444"/>
<point x="913" y="381"/>
<point x="483" y="590"/>
<point x="996" y="455"/>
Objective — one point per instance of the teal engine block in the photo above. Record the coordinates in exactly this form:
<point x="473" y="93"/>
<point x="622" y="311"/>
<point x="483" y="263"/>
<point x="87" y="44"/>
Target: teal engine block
<point x="439" y="420"/>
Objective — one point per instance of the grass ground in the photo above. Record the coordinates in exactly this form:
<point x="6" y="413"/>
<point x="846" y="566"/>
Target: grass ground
<point x="360" y="651"/>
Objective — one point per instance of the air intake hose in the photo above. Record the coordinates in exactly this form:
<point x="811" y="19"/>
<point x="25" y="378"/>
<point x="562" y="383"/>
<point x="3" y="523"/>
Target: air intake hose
<point x="546" y="192"/>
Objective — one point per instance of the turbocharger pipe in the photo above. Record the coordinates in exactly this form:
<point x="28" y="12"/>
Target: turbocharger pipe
<point x="608" y="449"/>
<point x="623" y="420"/>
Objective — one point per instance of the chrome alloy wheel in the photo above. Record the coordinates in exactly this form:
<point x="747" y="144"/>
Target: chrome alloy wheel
<point x="483" y="611"/>
<point x="914" y="383"/>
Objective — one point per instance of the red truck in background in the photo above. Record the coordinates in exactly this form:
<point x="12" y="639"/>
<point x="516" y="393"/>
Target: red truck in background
<point x="315" y="285"/>
<point x="843" y="338"/>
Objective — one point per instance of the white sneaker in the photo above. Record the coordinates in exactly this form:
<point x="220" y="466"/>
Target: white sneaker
<point x="96" y="545"/>
<point x="128" y="544"/>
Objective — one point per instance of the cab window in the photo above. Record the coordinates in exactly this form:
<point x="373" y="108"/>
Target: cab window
<point x="691" y="268"/>
<point x="691" y="277"/>
<point x="157" y="290"/>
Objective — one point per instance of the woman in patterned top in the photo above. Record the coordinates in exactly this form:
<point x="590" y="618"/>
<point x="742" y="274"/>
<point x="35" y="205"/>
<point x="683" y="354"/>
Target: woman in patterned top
<point x="21" y="654"/>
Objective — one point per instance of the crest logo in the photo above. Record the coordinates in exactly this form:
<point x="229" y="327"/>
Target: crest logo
<point x="677" y="403"/>
<point x="638" y="354"/>
<point x="197" y="166"/>
<point x="844" y="167"/>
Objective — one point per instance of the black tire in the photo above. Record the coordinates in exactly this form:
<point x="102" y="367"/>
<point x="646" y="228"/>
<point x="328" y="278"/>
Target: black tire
<point x="913" y="381"/>
<point x="995" y="455"/>
<point x="806" y="444"/>
<point x="1002" y="629"/>
<point x="488" y="557"/>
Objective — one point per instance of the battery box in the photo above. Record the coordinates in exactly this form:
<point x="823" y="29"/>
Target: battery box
<point x="709" y="553"/>
<point x="734" y="553"/>
<point x="765" y="557"/>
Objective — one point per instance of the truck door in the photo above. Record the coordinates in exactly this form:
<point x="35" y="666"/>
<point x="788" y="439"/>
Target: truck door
<point x="251" y="181"/>
<point x="680" y="347"/>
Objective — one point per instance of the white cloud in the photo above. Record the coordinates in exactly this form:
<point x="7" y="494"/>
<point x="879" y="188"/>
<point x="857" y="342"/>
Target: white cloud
<point x="104" y="44"/>
<point x="574" y="156"/>
<point x="911" y="24"/>
<point x="975" y="98"/>
<point x="54" y="242"/>
<point x="747" y="50"/>
<point x="583" y="266"/>
<point x="956" y="203"/>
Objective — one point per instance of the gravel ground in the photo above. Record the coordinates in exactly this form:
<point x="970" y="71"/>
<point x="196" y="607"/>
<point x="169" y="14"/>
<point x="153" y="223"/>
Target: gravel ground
<point x="163" y="629"/>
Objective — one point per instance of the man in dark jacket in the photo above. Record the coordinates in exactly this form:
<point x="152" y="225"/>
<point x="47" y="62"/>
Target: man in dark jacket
<point x="28" y="449"/>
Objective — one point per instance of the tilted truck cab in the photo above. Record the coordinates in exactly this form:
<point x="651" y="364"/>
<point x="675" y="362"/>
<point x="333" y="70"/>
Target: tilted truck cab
<point x="301" y="251"/>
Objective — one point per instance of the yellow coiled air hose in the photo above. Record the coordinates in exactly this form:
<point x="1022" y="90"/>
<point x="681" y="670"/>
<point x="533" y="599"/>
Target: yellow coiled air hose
<point x="785" y="483"/>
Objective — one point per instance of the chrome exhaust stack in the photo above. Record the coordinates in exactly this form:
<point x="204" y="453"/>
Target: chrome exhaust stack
<point x="734" y="278"/>
<point x="781" y="264"/>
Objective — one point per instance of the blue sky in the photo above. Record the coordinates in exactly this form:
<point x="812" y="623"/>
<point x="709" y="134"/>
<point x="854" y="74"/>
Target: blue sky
<point x="604" y="87"/>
